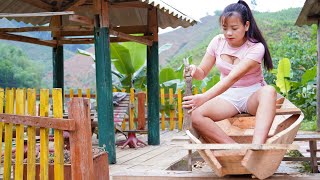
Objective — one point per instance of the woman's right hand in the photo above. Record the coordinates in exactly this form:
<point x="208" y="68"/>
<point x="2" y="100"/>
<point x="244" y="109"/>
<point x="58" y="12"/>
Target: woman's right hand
<point x="192" y="70"/>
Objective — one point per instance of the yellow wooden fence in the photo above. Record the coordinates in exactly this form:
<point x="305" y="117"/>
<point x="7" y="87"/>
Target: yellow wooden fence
<point x="20" y="111"/>
<point x="172" y="120"/>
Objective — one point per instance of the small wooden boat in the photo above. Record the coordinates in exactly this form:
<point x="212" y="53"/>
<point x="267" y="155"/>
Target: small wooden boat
<point x="261" y="161"/>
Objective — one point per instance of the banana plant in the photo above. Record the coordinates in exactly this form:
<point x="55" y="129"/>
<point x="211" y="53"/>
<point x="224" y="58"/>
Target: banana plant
<point x="283" y="76"/>
<point x="129" y="64"/>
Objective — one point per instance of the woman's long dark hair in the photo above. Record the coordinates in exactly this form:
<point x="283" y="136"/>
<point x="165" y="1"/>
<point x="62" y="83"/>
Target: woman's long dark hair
<point x="253" y="34"/>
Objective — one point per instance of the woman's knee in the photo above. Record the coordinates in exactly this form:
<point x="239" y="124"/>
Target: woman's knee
<point x="268" y="92"/>
<point x="196" y="117"/>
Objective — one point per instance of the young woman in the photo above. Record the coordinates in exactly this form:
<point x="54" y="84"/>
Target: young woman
<point x="238" y="55"/>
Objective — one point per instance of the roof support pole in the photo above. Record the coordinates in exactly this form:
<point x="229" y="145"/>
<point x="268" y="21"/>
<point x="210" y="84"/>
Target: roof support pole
<point x="58" y="73"/>
<point x="153" y="80"/>
<point x="104" y="80"/>
<point x="318" y="78"/>
<point x="57" y="56"/>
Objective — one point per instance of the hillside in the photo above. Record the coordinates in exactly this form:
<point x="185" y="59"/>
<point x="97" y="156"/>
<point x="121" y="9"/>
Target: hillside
<point x="194" y="40"/>
<point x="185" y="42"/>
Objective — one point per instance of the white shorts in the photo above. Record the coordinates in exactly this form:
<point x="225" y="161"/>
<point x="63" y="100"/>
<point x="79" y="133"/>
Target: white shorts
<point x="239" y="96"/>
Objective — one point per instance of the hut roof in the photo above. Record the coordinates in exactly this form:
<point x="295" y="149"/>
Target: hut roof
<point x="122" y="12"/>
<point x="310" y="13"/>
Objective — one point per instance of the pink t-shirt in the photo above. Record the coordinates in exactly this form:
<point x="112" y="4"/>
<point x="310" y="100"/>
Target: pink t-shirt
<point x="248" y="51"/>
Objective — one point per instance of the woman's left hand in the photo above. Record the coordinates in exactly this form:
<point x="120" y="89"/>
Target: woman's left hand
<point x="193" y="101"/>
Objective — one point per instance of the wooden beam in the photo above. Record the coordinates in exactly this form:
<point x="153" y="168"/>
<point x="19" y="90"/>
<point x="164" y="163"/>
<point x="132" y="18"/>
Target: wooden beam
<point x="75" y="41"/>
<point x="131" y="29"/>
<point x="47" y="28"/>
<point x="36" y="14"/>
<point x="153" y="23"/>
<point x="131" y="38"/>
<point x="129" y="4"/>
<point x="26" y="39"/>
<point x="242" y="146"/>
<point x="74" y="4"/>
<point x="314" y="17"/>
<point x="101" y="8"/>
<point x="35" y="121"/>
<point x="284" y="111"/>
<point x="81" y="19"/>
<point x="318" y="79"/>
<point x="40" y="4"/>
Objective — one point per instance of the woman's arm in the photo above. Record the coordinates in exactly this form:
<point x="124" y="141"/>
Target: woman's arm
<point x="237" y="73"/>
<point x="204" y="68"/>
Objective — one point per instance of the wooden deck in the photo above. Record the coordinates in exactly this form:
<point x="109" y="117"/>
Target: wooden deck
<point x="152" y="163"/>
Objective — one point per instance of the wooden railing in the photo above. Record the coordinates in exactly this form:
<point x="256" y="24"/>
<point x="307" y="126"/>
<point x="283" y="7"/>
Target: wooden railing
<point x="20" y="112"/>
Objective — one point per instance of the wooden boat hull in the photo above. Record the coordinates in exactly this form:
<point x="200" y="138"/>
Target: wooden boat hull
<point x="260" y="162"/>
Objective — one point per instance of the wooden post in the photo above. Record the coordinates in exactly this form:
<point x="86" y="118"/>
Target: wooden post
<point x="141" y="111"/>
<point x="80" y="139"/>
<point x="153" y="80"/>
<point x="318" y="79"/>
<point x="104" y="79"/>
<point x="187" y="124"/>
<point x="57" y="55"/>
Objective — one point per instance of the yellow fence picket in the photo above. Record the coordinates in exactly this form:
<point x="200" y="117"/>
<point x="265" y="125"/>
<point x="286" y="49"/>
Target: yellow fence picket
<point x="1" y="123"/>
<point x="172" y="110"/>
<point x="163" y="125"/>
<point x="9" y="109"/>
<point x="88" y="93"/>
<point x="79" y="92"/>
<point x="31" y="162"/>
<point x="180" y="115"/>
<point x="58" y="136"/>
<point x="20" y="110"/>
<point x="196" y="90"/>
<point x="131" y="120"/>
<point x="123" y="125"/>
<point x="71" y="93"/>
<point x="44" y="133"/>
<point x="203" y="90"/>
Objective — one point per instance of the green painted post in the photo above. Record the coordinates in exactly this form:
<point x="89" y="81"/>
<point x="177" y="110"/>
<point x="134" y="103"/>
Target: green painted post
<point x="58" y="71"/>
<point x="104" y="92"/>
<point x="153" y="94"/>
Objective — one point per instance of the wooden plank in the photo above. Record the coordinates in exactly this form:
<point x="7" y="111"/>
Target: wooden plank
<point x="81" y="19"/>
<point x="20" y="109"/>
<point x="207" y="156"/>
<point x="40" y="4"/>
<point x="26" y="39"/>
<point x="31" y="132"/>
<point x="80" y="139"/>
<point x="284" y="111"/>
<point x="129" y="4"/>
<point x="307" y="137"/>
<point x="313" y="155"/>
<point x="199" y="175"/>
<point x="141" y="111"/>
<point x="242" y="146"/>
<point x="263" y="164"/>
<point x="2" y="98"/>
<point x="137" y="39"/>
<point x="40" y="14"/>
<point x="8" y="135"/>
<point x="58" y="135"/>
<point x="306" y="159"/>
<point x="56" y="123"/>
<point x="44" y="136"/>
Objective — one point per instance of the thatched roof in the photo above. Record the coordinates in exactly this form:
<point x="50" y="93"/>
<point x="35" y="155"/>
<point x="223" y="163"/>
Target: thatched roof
<point x="310" y="13"/>
<point x="122" y="12"/>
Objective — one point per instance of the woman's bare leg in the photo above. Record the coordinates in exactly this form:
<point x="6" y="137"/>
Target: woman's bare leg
<point x="214" y="110"/>
<point x="262" y="104"/>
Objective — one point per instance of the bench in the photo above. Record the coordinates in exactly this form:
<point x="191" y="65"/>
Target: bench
<point x="124" y="111"/>
<point x="313" y="159"/>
